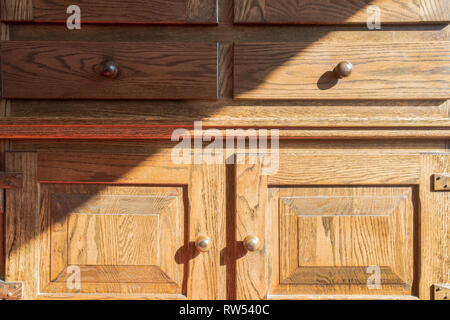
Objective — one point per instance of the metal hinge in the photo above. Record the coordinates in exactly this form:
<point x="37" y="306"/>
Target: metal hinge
<point x="11" y="290"/>
<point x="442" y="182"/>
<point x="441" y="291"/>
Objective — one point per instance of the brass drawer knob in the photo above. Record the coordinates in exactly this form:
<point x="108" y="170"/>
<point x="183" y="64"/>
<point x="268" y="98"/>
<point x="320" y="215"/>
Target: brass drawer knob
<point x="109" y="69"/>
<point x="343" y="69"/>
<point x="252" y="243"/>
<point x="203" y="243"/>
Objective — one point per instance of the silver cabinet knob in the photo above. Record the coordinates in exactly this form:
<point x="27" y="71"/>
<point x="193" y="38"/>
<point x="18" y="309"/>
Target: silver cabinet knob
<point x="252" y="243"/>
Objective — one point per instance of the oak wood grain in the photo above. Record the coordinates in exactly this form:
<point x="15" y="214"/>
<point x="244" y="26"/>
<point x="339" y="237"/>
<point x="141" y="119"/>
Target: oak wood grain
<point x="326" y="238"/>
<point x="435" y="225"/>
<point x="14" y="128"/>
<point x="339" y="12"/>
<point x="124" y="240"/>
<point x="394" y="70"/>
<point x="16" y="10"/>
<point x="251" y="194"/>
<point x="10" y="180"/>
<point x="35" y="70"/>
<point x="115" y="11"/>
<point x="111" y="168"/>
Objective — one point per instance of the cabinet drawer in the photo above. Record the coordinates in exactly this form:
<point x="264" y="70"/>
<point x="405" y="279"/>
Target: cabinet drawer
<point x="392" y="70"/>
<point x="340" y="12"/>
<point x="73" y="70"/>
<point x="112" y="11"/>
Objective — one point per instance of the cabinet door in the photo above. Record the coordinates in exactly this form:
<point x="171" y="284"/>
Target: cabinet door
<point x="341" y="226"/>
<point x="114" y="226"/>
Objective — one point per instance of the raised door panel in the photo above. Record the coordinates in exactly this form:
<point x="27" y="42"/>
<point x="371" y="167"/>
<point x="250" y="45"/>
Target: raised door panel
<point x="73" y="70"/>
<point x="381" y="70"/>
<point x="340" y="12"/>
<point x="336" y="240"/>
<point x="115" y="239"/>
<point x="112" y="11"/>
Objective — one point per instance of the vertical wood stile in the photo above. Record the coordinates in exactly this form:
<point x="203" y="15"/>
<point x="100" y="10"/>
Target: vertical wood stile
<point x="251" y="195"/>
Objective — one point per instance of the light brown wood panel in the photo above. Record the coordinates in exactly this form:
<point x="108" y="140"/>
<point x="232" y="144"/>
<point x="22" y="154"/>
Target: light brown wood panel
<point x="340" y="12"/>
<point x="435" y="225"/>
<point x="131" y="232"/>
<point x="20" y="229"/>
<point x="329" y="169"/>
<point x="391" y="70"/>
<point x="251" y="194"/>
<point x="111" y="168"/>
<point x="114" y="129"/>
<point x="71" y="70"/>
<point x="115" y="11"/>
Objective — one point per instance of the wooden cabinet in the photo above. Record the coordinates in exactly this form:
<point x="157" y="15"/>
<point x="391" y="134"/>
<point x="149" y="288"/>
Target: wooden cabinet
<point x="350" y="98"/>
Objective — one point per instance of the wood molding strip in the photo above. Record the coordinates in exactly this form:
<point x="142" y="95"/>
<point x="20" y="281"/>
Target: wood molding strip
<point x="10" y="180"/>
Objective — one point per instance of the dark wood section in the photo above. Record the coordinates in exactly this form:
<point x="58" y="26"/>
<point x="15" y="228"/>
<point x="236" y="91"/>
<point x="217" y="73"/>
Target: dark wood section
<point x="16" y="10"/>
<point x="340" y="12"/>
<point x="112" y="11"/>
<point x="394" y="70"/>
<point x="70" y="70"/>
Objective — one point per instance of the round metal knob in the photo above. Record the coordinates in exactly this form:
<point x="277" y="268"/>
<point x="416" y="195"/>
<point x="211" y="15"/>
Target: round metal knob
<point x="343" y="69"/>
<point x="203" y="243"/>
<point x="252" y="243"/>
<point x="109" y="69"/>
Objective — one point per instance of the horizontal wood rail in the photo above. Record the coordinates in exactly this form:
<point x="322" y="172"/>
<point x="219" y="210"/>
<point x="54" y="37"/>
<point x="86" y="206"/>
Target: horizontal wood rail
<point x="51" y="128"/>
<point x="10" y="180"/>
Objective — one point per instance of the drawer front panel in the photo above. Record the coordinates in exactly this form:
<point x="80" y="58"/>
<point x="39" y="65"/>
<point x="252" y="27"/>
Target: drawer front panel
<point x="112" y="11"/>
<point x="306" y="70"/>
<point x="340" y="12"/>
<point x="72" y="70"/>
